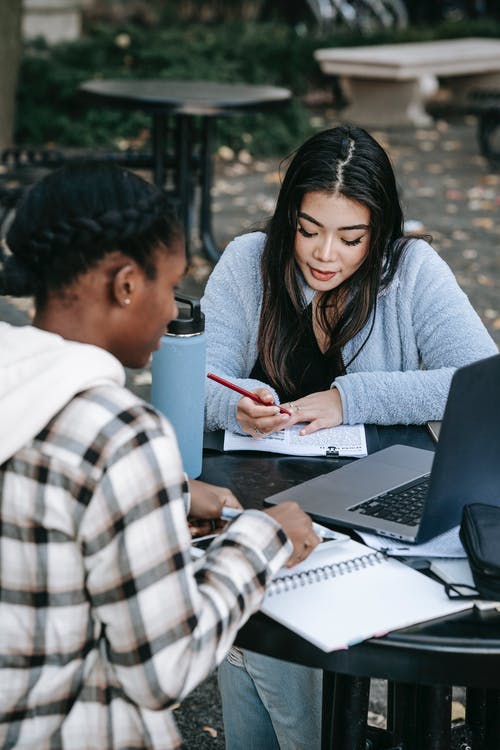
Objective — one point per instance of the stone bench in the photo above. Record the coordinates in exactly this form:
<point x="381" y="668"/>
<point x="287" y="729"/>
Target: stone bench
<point x="388" y="85"/>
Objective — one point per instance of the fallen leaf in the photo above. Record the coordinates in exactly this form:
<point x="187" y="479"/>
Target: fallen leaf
<point x="225" y="153"/>
<point x="426" y="192"/>
<point x="457" y="711"/>
<point x="273" y="178"/>
<point x="376" y="720"/>
<point x="454" y="195"/>
<point x="492" y="179"/>
<point x="469" y="253"/>
<point x="485" y="280"/>
<point x="244" y="156"/>
<point x="210" y="730"/>
<point x="484" y="222"/>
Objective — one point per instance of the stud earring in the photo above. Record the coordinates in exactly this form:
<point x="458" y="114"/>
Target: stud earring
<point x="126" y="301"/>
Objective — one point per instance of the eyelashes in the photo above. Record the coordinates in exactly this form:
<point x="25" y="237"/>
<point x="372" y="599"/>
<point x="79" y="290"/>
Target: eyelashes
<point x="304" y="232"/>
<point x="349" y="243"/>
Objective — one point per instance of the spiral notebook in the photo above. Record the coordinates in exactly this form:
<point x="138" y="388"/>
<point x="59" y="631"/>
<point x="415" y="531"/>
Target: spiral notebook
<point x="345" y="593"/>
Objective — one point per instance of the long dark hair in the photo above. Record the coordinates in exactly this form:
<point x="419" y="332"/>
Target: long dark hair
<point x="346" y="161"/>
<point x="71" y="218"/>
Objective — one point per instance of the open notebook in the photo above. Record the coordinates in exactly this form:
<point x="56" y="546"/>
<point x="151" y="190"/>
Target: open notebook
<point x="346" y="592"/>
<point x="342" y="441"/>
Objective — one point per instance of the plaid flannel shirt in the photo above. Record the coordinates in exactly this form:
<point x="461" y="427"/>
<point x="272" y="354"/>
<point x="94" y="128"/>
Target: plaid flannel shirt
<point x="105" y="621"/>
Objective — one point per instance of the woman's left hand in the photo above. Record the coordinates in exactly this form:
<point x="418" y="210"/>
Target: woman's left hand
<point x="322" y="409"/>
<point x="207" y="501"/>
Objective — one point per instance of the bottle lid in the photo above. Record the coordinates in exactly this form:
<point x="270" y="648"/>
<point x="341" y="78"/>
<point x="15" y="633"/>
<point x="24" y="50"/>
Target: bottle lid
<point x="191" y="320"/>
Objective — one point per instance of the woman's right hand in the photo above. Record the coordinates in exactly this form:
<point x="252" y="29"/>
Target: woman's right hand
<point x="298" y="527"/>
<point x="257" y="419"/>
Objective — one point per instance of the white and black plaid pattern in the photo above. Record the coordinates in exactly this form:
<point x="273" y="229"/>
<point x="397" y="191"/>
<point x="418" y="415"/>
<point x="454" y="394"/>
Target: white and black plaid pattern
<point x="104" y="620"/>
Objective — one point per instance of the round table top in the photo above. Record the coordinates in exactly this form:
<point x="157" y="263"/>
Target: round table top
<point x="462" y="649"/>
<point x="184" y="97"/>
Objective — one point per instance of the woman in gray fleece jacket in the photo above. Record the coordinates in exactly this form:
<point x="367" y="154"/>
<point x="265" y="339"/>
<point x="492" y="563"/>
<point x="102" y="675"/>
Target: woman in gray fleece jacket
<point x="333" y="311"/>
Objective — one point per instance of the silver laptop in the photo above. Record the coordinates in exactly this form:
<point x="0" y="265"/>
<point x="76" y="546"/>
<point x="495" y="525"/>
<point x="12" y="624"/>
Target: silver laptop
<point x="401" y="492"/>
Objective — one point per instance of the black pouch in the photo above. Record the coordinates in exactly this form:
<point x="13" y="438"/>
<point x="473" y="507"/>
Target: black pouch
<point x="480" y="535"/>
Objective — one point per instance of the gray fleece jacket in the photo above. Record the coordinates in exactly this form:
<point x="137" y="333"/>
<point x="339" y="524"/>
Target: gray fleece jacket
<point x="425" y="327"/>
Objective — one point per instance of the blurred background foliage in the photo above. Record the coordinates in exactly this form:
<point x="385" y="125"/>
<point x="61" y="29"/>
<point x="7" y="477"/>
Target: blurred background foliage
<point x="168" y="40"/>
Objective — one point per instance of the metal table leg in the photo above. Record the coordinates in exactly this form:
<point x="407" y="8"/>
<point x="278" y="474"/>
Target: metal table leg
<point x="208" y="244"/>
<point x="420" y="716"/>
<point x="158" y="138"/>
<point x="401" y="714"/>
<point x="188" y="171"/>
<point x="344" y="728"/>
<point x="434" y="717"/>
<point x="183" y="172"/>
<point x="327" y="710"/>
<point x="475" y="714"/>
<point x="492" y="720"/>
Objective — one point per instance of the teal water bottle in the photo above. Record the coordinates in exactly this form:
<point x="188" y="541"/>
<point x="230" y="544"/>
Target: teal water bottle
<point x="178" y="381"/>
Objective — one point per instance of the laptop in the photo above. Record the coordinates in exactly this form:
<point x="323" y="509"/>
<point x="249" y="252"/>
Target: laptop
<point x="414" y="494"/>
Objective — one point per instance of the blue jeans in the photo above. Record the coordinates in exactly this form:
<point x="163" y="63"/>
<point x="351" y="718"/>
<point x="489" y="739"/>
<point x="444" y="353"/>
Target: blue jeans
<point x="268" y="704"/>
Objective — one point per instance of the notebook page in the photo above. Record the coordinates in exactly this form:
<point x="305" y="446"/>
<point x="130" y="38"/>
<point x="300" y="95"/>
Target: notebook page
<point x="344" y="440"/>
<point x="447" y="544"/>
<point x="346" y="593"/>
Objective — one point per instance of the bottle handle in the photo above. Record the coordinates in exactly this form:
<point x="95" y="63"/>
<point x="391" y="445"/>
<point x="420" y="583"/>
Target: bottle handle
<point x="194" y="304"/>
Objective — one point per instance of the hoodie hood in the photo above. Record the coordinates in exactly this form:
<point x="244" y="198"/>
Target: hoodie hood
<point x="40" y="373"/>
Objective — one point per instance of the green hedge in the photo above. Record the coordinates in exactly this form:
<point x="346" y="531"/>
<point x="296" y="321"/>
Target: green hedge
<point x="50" y="111"/>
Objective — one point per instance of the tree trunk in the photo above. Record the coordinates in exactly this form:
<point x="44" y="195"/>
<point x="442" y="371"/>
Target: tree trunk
<point x="10" y="56"/>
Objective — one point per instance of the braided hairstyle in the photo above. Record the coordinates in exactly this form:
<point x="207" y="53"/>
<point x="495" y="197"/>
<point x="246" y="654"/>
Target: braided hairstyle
<point x="72" y="218"/>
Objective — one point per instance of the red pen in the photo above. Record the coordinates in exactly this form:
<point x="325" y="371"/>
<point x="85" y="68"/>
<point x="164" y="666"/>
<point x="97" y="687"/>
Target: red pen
<point x="243" y="392"/>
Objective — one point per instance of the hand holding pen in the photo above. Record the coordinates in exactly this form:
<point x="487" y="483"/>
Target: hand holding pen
<point x="295" y="523"/>
<point x="262" y="416"/>
<point x="228" y="513"/>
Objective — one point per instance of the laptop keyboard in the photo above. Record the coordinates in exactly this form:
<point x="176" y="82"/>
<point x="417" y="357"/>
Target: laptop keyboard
<point x="402" y="505"/>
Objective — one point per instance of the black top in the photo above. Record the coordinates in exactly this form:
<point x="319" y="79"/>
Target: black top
<point x="312" y="370"/>
<point x="208" y="98"/>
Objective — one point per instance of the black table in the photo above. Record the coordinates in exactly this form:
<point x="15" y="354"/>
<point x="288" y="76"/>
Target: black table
<point x="186" y="113"/>
<point x="420" y="663"/>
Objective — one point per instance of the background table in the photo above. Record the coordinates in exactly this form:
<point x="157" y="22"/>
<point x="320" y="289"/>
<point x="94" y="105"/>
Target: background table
<point x="421" y="663"/>
<point x="185" y="112"/>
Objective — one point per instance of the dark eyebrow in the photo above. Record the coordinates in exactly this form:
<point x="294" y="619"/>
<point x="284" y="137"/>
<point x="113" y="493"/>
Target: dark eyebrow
<point x="354" y="226"/>
<point x="303" y="215"/>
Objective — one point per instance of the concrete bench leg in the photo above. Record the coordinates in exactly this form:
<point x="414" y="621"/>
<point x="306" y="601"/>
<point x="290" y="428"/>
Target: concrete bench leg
<point x="461" y="87"/>
<point x="375" y="102"/>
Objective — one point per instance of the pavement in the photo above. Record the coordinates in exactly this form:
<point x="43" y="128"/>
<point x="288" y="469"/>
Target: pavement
<point x="447" y="189"/>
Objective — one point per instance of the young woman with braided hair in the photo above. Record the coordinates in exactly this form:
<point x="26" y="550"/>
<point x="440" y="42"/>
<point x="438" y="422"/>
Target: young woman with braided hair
<point x="105" y="621"/>
<point x="335" y="312"/>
